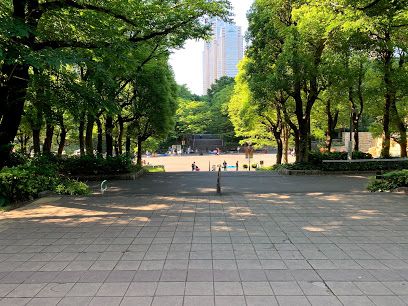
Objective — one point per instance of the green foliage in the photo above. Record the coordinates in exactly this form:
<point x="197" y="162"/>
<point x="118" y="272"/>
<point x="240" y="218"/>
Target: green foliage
<point x="90" y="165"/>
<point x="316" y="157"/>
<point x="25" y="182"/>
<point x="192" y="117"/>
<point x="72" y="187"/>
<point x="389" y="181"/>
<point x="368" y="166"/>
<point x="16" y="159"/>
<point x="154" y="169"/>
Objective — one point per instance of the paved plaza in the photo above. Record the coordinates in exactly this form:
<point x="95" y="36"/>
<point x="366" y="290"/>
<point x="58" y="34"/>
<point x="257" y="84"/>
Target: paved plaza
<point x="205" y="162"/>
<point x="242" y="248"/>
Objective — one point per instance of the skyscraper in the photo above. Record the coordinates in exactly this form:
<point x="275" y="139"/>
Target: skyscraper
<point x="223" y="53"/>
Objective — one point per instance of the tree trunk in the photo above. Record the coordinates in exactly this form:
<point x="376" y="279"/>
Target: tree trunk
<point x="279" y="152"/>
<point x="285" y="144"/>
<point x="128" y="144"/>
<point x="63" y="138"/>
<point x="139" y="151"/>
<point x="303" y="142"/>
<point x="14" y="88"/>
<point x="99" y="146"/>
<point x="11" y="108"/>
<point x="36" y="141"/>
<point x="331" y="125"/>
<point x="108" y="135"/>
<point x="120" y="136"/>
<point x="89" y="133"/>
<point x="402" y="129"/>
<point x="81" y="130"/>
<point x="49" y="133"/>
<point x="356" y="131"/>
<point x="389" y="96"/>
<point x="116" y="148"/>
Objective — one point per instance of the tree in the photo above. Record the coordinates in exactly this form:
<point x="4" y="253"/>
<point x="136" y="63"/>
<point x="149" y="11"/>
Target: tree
<point x="288" y="40"/>
<point x="255" y="118"/>
<point x="154" y="105"/>
<point x="385" y="25"/>
<point x="34" y="34"/>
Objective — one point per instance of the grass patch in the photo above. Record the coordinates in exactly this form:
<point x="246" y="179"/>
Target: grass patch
<point x="154" y="169"/>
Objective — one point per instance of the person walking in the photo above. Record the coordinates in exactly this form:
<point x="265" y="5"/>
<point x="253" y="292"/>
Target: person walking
<point x="193" y="166"/>
<point x="236" y="166"/>
<point x="225" y="165"/>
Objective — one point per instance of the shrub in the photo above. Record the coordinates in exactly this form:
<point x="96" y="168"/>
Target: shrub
<point x="254" y="166"/>
<point x="25" y="183"/>
<point x="316" y="157"/>
<point x="89" y="165"/>
<point x="389" y="181"/>
<point x="72" y="187"/>
<point x="374" y="165"/>
<point x="16" y="159"/>
<point x="245" y="166"/>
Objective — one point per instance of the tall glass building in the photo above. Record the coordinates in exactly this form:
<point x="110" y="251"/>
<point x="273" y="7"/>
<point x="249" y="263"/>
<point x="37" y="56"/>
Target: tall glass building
<point x="223" y="53"/>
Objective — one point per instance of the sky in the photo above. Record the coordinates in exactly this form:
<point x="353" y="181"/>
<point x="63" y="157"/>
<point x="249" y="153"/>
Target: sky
<point x="187" y="63"/>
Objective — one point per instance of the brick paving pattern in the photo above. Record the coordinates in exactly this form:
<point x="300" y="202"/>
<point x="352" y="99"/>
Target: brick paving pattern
<point x="259" y="249"/>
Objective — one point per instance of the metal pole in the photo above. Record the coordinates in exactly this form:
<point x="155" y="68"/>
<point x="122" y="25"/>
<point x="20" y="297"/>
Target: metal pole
<point x="219" y="181"/>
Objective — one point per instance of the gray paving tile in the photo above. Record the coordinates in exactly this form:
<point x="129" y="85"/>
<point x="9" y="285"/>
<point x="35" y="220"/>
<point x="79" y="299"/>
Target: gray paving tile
<point x="139" y="301"/>
<point x="198" y="301"/>
<point x="167" y="301"/>
<point x="141" y="289"/>
<point x="105" y="301"/>
<point x="199" y="288"/>
<point x="230" y="301"/>
<point x="113" y="289"/>
<point x="44" y="301"/>
<point x="228" y="288"/>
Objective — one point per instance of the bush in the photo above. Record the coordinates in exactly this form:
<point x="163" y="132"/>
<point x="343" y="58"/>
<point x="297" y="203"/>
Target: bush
<point x="374" y="165"/>
<point x="389" y="181"/>
<point x="25" y="182"/>
<point x="72" y="187"/>
<point x="316" y="157"/>
<point x="16" y="159"/>
<point x="245" y="166"/>
<point x="254" y="166"/>
<point x="89" y="165"/>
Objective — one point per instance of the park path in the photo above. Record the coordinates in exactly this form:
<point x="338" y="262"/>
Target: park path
<point x="204" y="183"/>
<point x="162" y="247"/>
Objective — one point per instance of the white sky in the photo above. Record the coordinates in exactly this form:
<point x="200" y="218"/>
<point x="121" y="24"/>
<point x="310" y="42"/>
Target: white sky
<point x="188" y="62"/>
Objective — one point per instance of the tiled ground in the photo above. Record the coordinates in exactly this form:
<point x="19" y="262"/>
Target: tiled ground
<point x="260" y="249"/>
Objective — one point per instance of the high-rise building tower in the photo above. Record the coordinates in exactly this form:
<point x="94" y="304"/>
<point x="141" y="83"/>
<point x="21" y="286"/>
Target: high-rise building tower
<point x="223" y="53"/>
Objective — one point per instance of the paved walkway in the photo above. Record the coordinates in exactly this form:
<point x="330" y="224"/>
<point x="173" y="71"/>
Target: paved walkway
<point x="242" y="249"/>
<point x="204" y="183"/>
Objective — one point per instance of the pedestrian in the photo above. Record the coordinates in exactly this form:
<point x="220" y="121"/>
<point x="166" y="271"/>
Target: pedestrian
<point x="225" y="165"/>
<point x="236" y="166"/>
<point x="193" y="166"/>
